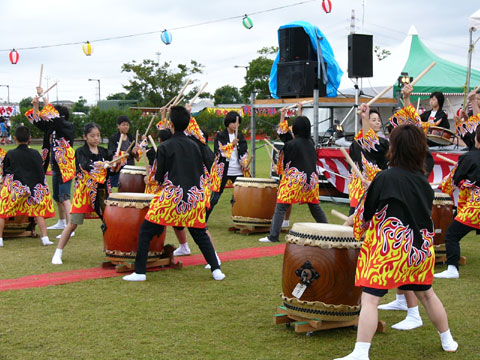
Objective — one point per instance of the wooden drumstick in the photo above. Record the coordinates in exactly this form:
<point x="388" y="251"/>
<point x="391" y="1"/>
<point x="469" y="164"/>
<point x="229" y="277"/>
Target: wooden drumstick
<point x="334" y="173"/>
<point x="270" y="156"/>
<point x="236" y="127"/>
<point x="339" y="215"/>
<point x="295" y="105"/>
<point x="352" y="164"/>
<point x="273" y="146"/>
<point x="41" y="75"/>
<point x="152" y="142"/>
<point x="149" y="125"/>
<point x="177" y="99"/>
<point x="379" y="95"/>
<point x="418" y="103"/>
<point x="50" y="88"/>
<point x="198" y="94"/>
<point x="119" y="145"/>
<point x="444" y="158"/>
<point x="423" y="73"/>
<point x="110" y="163"/>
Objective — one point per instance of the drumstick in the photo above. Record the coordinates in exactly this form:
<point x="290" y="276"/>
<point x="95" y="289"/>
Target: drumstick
<point x="450" y="107"/>
<point x="41" y="75"/>
<point x="167" y="104"/>
<point x="198" y="93"/>
<point x="152" y="142"/>
<point x="418" y="103"/>
<point x="295" y="105"/>
<point x="352" y="164"/>
<point x="236" y="127"/>
<point x="110" y="163"/>
<point x="273" y="146"/>
<point x="119" y="145"/>
<point x="379" y="95"/>
<point x="423" y="73"/>
<point x="270" y="156"/>
<point x="339" y="215"/>
<point x="444" y="158"/>
<point x="150" y="124"/>
<point x="334" y="173"/>
<point x="177" y="99"/>
<point x="136" y="137"/>
<point x="50" y="88"/>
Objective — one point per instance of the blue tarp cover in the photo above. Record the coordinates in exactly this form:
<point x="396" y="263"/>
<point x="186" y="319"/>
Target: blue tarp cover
<point x="334" y="73"/>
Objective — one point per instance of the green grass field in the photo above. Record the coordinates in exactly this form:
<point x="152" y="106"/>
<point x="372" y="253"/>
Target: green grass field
<point x="184" y="314"/>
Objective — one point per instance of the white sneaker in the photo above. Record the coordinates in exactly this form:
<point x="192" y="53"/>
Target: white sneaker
<point x="285" y="223"/>
<point x="265" y="239"/>
<point x="182" y="251"/>
<point x="394" y="305"/>
<point x="1" y="242"/>
<point x="58" y="226"/>
<point x="448" y="344"/>
<point x="219" y="263"/>
<point x="353" y="357"/>
<point x="408" y="324"/>
<point x="135" y="277"/>
<point x="57" y="257"/>
<point x="218" y="274"/>
<point x="59" y="236"/>
<point x="46" y="241"/>
<point x="450" y="273"/>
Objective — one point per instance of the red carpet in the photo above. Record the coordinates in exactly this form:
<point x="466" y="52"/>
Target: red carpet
<point x="71" y="276"/>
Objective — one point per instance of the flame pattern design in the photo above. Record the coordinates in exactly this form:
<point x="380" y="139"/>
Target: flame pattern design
<point x="216" y="174"/>
<point x="368" y="141"/>
<point x="152" y="186"/>
<point x="2" y="157"/>
<point x="356" y="188"/>
<point x="225" y="150"/>
<point x="194" y="130"/>
<point x="469" y="126"/>
<point x="65" y="158"/>
<point x="408" y="115"/>
<point x="168" y="207"/>
<point x="283" y="128"/>
<point x="447" y="186"/>
<point x="468" y="210"/>
<point x="388" y="258"/>
<point x="17" y="199"/>
<point x="294" y="187"/>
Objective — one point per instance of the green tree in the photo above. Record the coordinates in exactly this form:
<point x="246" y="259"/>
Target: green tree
<point x="80" y="105"/>
<point x="156" y="84"/>
<point x="227" y="94"/>
<point x="258" y="75"/>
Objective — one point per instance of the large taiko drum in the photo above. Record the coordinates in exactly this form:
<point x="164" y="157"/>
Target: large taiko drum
<point x="17" y="226"/>
<point x="124" y="214"/>
<point x="322" y="258"/>
<point x="440" y="135"/>
<point x="254" y="201"/>
<point x="442" y="216"/>
<point x="132" y="179"/>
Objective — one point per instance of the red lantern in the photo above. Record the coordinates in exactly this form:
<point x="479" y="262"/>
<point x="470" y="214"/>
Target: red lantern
<point x="327" y="6"/>
<point x="13" y="56"/>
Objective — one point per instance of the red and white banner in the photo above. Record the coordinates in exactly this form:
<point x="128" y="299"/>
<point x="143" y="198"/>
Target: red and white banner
<point x="331" y="162"/>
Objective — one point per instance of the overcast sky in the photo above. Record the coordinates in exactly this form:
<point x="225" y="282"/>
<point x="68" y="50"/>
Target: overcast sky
<point x="441" y="24"/>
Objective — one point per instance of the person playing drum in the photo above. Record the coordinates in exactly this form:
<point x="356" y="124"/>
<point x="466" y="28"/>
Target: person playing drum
<point x="394" y="219"/>
<point x="299" y="178"/>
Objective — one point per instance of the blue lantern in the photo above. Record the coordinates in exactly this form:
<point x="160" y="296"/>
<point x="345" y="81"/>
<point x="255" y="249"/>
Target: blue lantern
<point x="166" y="37"/>
<point x="247" y="22"/>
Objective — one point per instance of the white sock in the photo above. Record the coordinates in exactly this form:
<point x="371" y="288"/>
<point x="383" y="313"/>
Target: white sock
<point x="448" y="344"/>
<point x="361" y="349"/>
<point x="46" y="240"/>
<point x="452" y="269"/>
<point x="185" y="246"/>
<point x="1" y="241"/>
<point x="401" y="298"/>
<point x="57" y="256"/>
<point x="62" y="222"/>
<point x="413" y="313"/>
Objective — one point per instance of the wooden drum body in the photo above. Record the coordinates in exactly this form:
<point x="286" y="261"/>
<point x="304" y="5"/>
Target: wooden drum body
<point x="324" y="257"/>
<point x="442" y="216"/>
<point x="254" y="201"/>
<point x="132" y="179"/>
<point x="440" y="136"/>
<point x="18" y="226"/>
<point x="124" y="214"/>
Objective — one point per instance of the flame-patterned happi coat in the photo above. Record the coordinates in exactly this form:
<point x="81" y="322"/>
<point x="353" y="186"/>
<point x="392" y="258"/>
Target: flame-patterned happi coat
<point x="182" y="173"/>
<point x="91" y="175"/>
<point x="368" y="151"/>
<point x="299" y="178"/>
<point x="466" y="130"/>
<point x="58" y="137"/>
<point x="25" y="189"/>
<point x="394" y="217"/>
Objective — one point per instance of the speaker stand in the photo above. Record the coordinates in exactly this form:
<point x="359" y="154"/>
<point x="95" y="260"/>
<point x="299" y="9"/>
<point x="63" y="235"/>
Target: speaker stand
<point x="357" y="95"/>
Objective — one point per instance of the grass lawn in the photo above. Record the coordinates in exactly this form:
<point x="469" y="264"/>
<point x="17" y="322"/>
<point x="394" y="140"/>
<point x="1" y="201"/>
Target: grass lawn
<point x="184" y="314"/>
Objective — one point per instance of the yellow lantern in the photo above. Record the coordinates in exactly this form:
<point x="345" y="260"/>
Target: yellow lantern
<point x="87" y="48"/>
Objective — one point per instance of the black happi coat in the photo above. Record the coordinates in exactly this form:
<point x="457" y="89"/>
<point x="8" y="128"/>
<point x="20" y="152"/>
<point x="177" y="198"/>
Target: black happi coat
<point x="25" y="165"/>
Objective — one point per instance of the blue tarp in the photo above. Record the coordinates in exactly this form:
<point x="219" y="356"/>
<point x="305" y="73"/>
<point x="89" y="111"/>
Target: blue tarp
<point x="334" y="73"/>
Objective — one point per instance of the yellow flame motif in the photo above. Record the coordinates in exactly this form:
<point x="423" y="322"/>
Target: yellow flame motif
<point x="468" y="126"/>
<point x="121" y="163"/>
<point x="162" y="124"/>
<point x="216" y="174"/>
<point x="16" y="199"/>
<point x="85" y="193"/>
<point x="168" y="207"/>
<point x="367" y="141"/>
<point x="408" y="115"/>
<point x="226" y="150"/>
<point x="388" y="258"/>
<point x="468" y="210"/>
<point x="283" y="128"/>
<point x="194" y="130"/>
<point x="447" y="186"/>
<point x="356" y="188"/>
<point x="2" y="156"/>
<point x="294" y="188"/>
<point x="152" y="186"/>
<point x="49" y="112"/>
<point x="65" y="158"/>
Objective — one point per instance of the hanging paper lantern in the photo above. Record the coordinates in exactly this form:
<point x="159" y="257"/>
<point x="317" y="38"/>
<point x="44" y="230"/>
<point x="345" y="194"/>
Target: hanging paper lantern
<point x="247" y="22"/>
<point x="166" y="37"/>
<point x="327" y="6"/>
<point x="87" y="48"/>
<point x="13" y="56"/>
<point x="459" y="110"/>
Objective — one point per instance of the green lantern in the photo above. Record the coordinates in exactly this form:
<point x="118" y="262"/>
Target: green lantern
<point x="247" y="22"/>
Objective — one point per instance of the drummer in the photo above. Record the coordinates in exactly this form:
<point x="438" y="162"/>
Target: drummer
<point x="436" y="116"/>
<point x="123" y="126"/>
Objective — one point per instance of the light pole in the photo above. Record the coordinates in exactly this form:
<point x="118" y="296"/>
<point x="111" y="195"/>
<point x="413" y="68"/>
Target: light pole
<point x="8" y="92"/>
<point x="98" y="86"/>
<point x="242" y="66"/>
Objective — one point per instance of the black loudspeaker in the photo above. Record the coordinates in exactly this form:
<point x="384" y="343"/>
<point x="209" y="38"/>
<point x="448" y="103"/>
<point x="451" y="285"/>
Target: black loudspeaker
<point x="295" y="45"/>
<point x="298" y="79"/>
<point x="360" y="56"/>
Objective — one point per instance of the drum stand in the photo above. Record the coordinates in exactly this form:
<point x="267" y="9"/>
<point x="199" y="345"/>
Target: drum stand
<point x="19" y="230"/>
<point x="127" y="265"/>
<point x="441" y="255"/>
<point x="308" y="326"/>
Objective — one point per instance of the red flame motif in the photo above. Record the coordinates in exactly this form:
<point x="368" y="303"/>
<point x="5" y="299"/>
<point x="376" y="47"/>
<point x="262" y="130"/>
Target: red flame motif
<point x="294" y="187"/>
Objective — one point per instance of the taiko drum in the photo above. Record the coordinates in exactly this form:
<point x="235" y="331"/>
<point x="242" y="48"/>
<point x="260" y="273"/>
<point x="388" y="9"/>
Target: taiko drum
<point x="17" y="225"/>
<point x="324" y="258"/>
<point x="132" y="179"/>
<point x="124" y="214"/>
<point x="254" y="201"/>
<point x="442" y="216"/>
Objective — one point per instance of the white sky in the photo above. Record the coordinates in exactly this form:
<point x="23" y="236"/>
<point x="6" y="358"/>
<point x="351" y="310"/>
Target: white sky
<point x="441" y="24"/>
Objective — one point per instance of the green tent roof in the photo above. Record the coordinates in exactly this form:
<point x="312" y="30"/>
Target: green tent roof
<point x="445" y="76"/>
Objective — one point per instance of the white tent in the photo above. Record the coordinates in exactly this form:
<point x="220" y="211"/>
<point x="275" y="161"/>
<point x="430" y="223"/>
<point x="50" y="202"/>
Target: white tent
<point x="474" y="20"/>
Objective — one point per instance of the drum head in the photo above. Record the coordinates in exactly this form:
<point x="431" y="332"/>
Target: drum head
<point x="322" y="235"/>
<point x="127" y="196"/>
<point x="441" y="198"/>
<point x="135" y="170"/>
<point x="255" y="182"/>
<point x="439" y="140"/>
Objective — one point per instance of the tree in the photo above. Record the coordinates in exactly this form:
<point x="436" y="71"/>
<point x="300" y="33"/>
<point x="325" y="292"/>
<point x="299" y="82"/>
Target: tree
<point x="258" y="75"/>
<point x="132" y="95"/>
<point x="381" y="53"/>
<point x="227" y="94"/>
<point x="80" y="106"/>
<point x="157" y="84"/>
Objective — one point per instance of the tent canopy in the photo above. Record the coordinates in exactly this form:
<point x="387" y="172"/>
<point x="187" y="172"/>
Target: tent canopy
<point x="474" y="20"/>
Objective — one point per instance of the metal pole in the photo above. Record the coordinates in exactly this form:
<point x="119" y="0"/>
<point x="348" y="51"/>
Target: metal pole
<point x="98" y="89"/>
<point x="315" y="116"/>
<point x="357" y="91"/>
<point x="8" y="94"/>
<point x="252" y="132"/>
